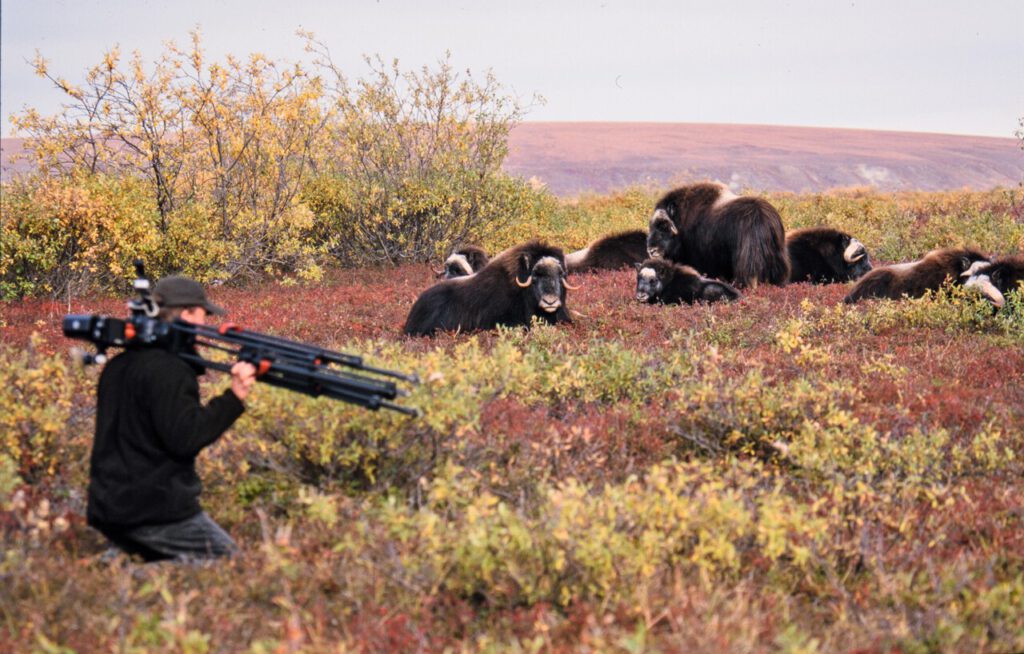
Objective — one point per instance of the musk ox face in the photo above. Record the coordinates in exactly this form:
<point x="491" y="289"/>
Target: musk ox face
<point x="981" y="281"/>
<point x="660" y="234"/>
<point x="648" y="285"/>
<point x="456" y="265"/>
<point x="464" y="261"/>
<point x="856" y="261"/>
<point x="994" y="280"/>
<point x="545" y="281"/>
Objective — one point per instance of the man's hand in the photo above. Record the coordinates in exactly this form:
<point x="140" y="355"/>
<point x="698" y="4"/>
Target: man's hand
<point x="243" y="376"/>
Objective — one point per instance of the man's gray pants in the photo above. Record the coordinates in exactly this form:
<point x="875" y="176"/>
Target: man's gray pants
<point x="195" y="538"/>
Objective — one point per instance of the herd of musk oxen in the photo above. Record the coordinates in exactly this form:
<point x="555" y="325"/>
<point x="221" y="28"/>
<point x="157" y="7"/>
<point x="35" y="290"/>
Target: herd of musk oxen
<point x="703" y="243"/>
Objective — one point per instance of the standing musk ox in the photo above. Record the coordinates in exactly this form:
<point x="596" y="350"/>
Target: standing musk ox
<point x="914" y="279"/>
<point x="998" y="278"/>
<point x="465" y="260"/>
<point x="658" y="280"/>
<point x="706" y="226"/>
<point x="610" y="252"/>
<point x="522" y="282"/>
<point x="822" y="255"/>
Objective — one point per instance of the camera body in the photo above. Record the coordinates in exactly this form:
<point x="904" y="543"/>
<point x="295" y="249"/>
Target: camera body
<point x="105" y="331"/>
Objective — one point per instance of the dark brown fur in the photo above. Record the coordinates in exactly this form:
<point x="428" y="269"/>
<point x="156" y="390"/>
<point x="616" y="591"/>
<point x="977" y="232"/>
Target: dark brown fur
<point x="1005" y="274"/>
<point x="673" y="283"/>
<point x="917" y="278"/>
<point x="819" y="255"/>
<point x="741" y="240"/>
<point x="491" y="297"/>
<point x="610" y="252"/>
<point x="476" y="258"/>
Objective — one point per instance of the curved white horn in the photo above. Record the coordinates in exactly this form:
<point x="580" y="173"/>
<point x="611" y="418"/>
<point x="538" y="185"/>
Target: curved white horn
<point x="529" y="280"/>
<point x="976" y="268"/>
<point x="854" y="251"/>
<point x="436" y="271"/>
<point x="570" y="287"/>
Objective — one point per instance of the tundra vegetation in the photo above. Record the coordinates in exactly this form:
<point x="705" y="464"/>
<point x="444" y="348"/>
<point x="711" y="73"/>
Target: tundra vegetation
<point x="781" y="473"/>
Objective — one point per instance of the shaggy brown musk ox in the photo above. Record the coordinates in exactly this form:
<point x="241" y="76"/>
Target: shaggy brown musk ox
<point x="465" y="260"/>
<point x="740" y="239"/>
<point x="610" y="252"/>
<point x="520" y="283"/>
<point x="662" y="281"/>
<point x="916" y="278"/>
<point x="822" y="255"/>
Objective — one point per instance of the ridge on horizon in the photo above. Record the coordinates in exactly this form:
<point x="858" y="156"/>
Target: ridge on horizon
<point x="711" y="124"/>
<point x="574" y="157"/>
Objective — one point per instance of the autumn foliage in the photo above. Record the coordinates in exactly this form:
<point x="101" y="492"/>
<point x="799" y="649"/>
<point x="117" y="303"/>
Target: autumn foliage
<point x="783" y="473"/>
<point x="251" y="168"/>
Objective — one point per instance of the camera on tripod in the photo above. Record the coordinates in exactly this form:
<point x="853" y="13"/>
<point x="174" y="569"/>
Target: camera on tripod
<point x="296" y="366"/>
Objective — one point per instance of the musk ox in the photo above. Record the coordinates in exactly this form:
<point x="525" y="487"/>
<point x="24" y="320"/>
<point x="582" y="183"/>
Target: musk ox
<point x="465" y="260"/>
<point x="914" y="279"/>
<point x="662" y="281"/>
<point x="822" y="255"/>
<point x="997" y="279"/>
<point x="740" y="239"/>
<point x="610" y="252"/>
<point x="522" y="282"/>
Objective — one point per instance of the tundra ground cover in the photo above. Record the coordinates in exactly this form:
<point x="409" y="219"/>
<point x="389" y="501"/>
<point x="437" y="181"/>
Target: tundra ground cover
<point x="783" y="473"/>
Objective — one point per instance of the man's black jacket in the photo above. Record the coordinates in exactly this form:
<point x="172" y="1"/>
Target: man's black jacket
<point x="150" y="425"/>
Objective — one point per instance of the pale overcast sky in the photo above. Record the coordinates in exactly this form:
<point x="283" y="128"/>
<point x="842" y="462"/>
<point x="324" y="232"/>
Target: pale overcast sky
<point x="919" y="65"/>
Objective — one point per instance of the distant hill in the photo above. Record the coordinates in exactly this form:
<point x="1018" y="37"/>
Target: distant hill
<point x="574" y="158"/>
<point x="571" y="158"/>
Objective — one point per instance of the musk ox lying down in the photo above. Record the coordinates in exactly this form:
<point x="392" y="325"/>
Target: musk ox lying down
<point x="706" y="226"/>
<point x="465" y="260"/>
<point x="658" y="280"/>
<point x="610" y="252"/>
<point x="522" y="282"/>
<point x="914" y="279"/>
<point x="822" y="255"/>
<point x="998" y="278"/>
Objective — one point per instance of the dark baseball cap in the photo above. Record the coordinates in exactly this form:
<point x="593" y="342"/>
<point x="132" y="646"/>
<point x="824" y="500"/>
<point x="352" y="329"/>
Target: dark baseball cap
<point x="180" y="291"/>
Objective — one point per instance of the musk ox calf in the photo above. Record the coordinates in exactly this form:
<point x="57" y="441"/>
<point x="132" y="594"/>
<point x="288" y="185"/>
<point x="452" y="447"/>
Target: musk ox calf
<point x="465" y="260"/>
<point x="822" y="255"/>
<point x="997" y="279"/>
<point x="610" y="252"/>
<point x="914" y="279"/>
<point x="522" y="282"/>
<point x="662" y="281"/>
<point x="706" y="226"/>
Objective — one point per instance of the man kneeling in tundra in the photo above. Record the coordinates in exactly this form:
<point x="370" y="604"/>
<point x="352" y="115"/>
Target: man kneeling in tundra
<point x="150" y="426"/>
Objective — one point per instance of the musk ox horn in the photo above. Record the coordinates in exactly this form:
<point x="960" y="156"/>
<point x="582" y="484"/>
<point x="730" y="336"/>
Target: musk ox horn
<point x="854" y="252"/>
<point x="975" y="268"/>
<point x="662" y="215"/>
<point x="526" y="284"/>
<point x="570" y="287"/>
<point x="987" y="288"/>
<point x="437" y="272"/>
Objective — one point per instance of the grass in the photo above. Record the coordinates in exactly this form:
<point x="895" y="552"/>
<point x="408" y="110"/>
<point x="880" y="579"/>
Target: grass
<point x="784" y="473"/>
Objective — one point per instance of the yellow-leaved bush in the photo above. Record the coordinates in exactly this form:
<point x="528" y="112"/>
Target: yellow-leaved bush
<point x="37" y="394"/>
<point x="62" y="236"/>
<point x="579" y="543"/>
